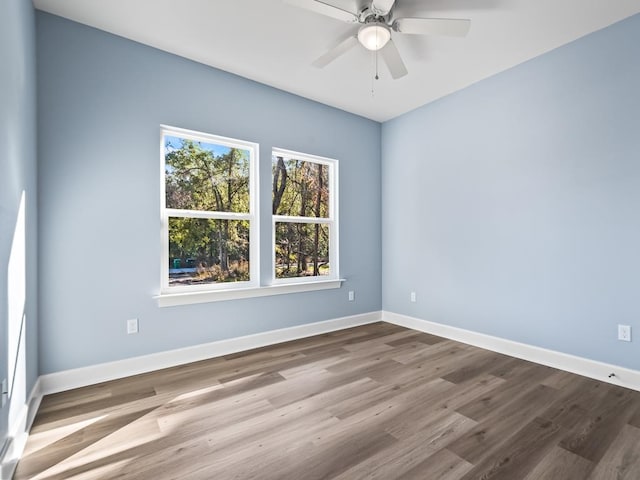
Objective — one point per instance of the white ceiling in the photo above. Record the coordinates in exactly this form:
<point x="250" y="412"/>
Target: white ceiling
<point x="274" y="43"/>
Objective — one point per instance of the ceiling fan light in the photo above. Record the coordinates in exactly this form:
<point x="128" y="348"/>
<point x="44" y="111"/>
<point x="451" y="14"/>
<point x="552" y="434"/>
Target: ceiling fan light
<point x="374" y="36"/>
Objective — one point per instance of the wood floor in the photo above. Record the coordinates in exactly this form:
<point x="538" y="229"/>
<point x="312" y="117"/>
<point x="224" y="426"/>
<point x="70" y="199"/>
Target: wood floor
<point x="375" y="402"/>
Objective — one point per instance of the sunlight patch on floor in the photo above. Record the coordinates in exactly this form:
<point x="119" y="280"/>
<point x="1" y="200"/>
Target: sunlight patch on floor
<point x="40" y="440"/>
<point x="195" y="393"/>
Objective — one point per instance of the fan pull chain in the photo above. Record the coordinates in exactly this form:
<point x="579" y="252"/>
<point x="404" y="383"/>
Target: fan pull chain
<point x="374" y="78"/>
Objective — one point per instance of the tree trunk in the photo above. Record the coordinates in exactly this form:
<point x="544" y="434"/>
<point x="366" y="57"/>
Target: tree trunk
<point x="279" y="184"/>
<point x="230" y="192"/>
<point x="222" y="249"/>
<point x="224" y="261"/>
<point x="316" y="236"/>
<point x="302" y="230"/>
<point x="299" y="253"/>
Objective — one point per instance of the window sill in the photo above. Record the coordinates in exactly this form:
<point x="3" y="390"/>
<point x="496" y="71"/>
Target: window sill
<point x="175" y="299"/>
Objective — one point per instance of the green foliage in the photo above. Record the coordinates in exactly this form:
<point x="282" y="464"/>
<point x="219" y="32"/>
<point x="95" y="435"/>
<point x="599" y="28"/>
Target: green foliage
<point x="217" y="249"/>
<point x="197" y="179"/>
<point x="296" y="255"/>
<point x="305" y="188"/>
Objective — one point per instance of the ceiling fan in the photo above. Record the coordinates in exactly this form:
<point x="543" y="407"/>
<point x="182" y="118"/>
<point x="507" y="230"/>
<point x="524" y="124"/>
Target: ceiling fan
<point x="377" y="20"/>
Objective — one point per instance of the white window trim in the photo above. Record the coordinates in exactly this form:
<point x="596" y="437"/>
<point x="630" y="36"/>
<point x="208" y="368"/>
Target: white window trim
<point x="175" y="299"/>
<point x="332" y="221"/>
<point x="253" y="216"/>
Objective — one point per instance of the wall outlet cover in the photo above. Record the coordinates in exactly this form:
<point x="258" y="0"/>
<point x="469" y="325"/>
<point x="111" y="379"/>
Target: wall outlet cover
<point x="624" y="333"/>
<point x="132" y="326"/>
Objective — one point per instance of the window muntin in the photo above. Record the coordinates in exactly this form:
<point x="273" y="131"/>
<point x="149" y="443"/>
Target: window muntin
<point x="209" y="212"/>
<point x="304" y="201"/>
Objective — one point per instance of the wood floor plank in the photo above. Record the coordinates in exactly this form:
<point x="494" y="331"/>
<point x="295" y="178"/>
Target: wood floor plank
<point x="494" y="431"/>
<point x="388" y="463"/>
<point x="561" y="464"/>
<point x="622" y="459"/>
<point x="519" y="454"/>
<point x="442" y="405"/>
<point x="79" y="440"/>
<point x="443" y="465"/>
<point x="418" y="337"/>
<point x="112" y="402"/>
<point x="635" y="418"/>
<point x="559" y="380"/>
<point x="227" y="448"/>
<point x="573" y="402"/>
<point x="440" y="349"/>
<point x="372" y="402"/>
<point x="512" y="390"/>
<point x="593" y="435"/>
<point x="412" y="450"/>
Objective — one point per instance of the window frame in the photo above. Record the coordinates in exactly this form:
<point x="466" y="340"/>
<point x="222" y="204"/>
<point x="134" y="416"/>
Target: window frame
<point x="252" y="216"/>
<point x="331" y="220"/>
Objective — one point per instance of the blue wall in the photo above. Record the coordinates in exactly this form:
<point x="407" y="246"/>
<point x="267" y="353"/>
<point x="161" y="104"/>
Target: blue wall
<point x="512" y="207"/>
<point x="509" y="207"/>
<point x="18" y="175"/>
<point x="101" y="102"/>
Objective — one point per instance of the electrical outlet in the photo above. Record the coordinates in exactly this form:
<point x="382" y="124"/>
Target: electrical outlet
<point x="624" y="333"/>
<point x="352" y="295"/>
<point x="132" y="326"/>
<point x="5" y="392"/>
<point x="413" y="296"/>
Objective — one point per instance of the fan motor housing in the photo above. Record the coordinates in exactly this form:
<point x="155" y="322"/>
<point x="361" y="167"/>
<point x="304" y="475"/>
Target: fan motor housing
<point x="368" y="15"/>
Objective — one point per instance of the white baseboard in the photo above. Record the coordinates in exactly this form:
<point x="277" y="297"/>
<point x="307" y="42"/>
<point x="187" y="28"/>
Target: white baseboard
<point x="81" y="377"/>
<point x="624" y="377"/>
<point x="19" y="433"/>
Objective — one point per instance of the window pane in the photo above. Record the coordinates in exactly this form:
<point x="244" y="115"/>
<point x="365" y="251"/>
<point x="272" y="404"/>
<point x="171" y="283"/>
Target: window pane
<point x="206" y="176"/>
<point x="203" y="251"/>
<point x="302" y="249"/>
<point x="300" y="188"/>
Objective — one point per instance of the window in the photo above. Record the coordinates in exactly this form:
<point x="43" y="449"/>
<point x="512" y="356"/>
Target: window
<point x="305" y="227"/>
<point x="209" y="212"/>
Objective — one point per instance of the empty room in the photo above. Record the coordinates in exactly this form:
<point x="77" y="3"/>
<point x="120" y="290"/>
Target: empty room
<point x="304" y="239"/>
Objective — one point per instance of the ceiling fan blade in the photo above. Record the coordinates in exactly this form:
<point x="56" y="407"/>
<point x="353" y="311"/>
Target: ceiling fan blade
<point x="451" y="27"/>
<point x="340" y="49"/>
<point x="382" y="7"/>
<point x="325" y="9"/>
<point x="394" y="62"/>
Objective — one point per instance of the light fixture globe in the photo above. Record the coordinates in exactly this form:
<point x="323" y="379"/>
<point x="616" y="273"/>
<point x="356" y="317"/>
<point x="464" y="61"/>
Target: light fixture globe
<point x="373" y="36"/>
